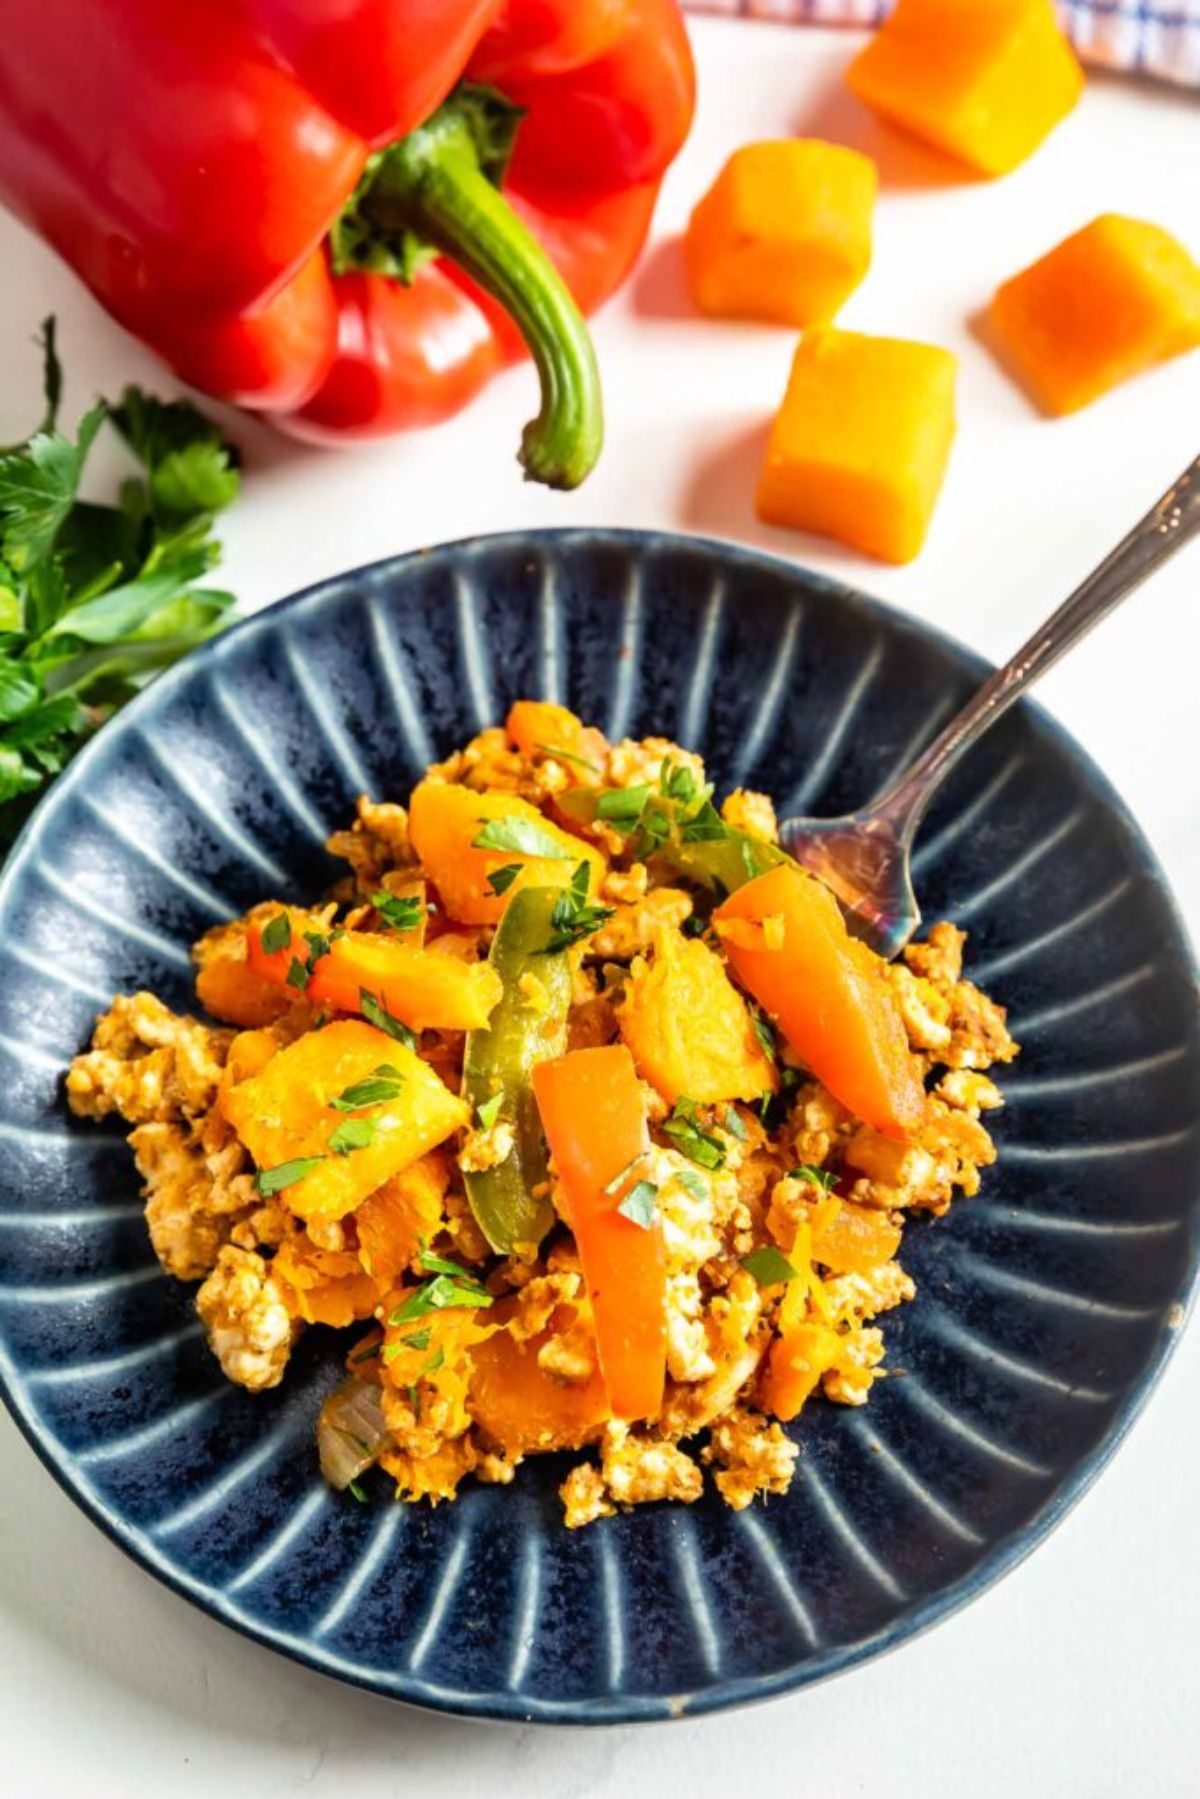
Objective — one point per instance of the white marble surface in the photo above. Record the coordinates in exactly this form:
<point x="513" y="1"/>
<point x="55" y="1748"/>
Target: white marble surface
<point x="1074" y="1677"/>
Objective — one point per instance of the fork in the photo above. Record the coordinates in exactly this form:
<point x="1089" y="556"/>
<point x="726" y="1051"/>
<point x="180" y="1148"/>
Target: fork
<point x="865" y="856"/>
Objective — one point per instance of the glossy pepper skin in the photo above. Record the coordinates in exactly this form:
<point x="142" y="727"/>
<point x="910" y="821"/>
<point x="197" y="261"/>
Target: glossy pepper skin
<point x="189" y="157"/>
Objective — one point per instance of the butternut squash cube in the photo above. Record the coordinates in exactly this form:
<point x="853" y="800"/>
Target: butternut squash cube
<point x="285" y="1114"/>
<point x="859" y="447"/>
<point x="1103" y="305"/>
<point x="688" y="1028"/>
<point x="784" y="233"/>
<point x="983" y="80"/>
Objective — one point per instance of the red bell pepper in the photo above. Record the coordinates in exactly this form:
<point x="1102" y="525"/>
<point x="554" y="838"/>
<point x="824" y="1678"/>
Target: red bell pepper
<point x="594" y="1117"/>
<point x="297" y="202"/>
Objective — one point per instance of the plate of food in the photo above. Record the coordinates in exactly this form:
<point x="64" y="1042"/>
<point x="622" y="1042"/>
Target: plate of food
<point x="435" y="1237"/>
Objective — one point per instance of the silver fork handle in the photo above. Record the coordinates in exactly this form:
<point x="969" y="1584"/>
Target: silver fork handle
<point x="1170" y="522"/>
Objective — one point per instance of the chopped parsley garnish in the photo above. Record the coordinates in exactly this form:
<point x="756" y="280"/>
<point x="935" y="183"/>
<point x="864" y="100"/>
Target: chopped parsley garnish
<point x="694" y="1183"/>
<point x="443" y="1265"/>
<point x="573" y="917"/>
<point x="764" y="1030"/>
<point x="677" y="782"/>
<point x="403" y="911"/>
<point x="417" y="1339"/>
<point x="376" y="1013"/>
<point x="769" y="1266"/>
<point x="376" y="1089"/>
<point x="501" y="879"/>
<point x="622" y="1174"/>
<point x="733" y="1123"/>
<point x="820" y="1177"/>
<point x="356" y="1492"/>
<point x="277" y="933"/>
<point x="352" y="1133"/>
<point x="489" y="1111"/>
<point x="285" y="1174"/>
<point x="435" y="1295"/>
<point x="436" y="1361"/>
<point x="698" y="1145"/>
<point x="298" y="974"/>
<point x="638" y="1204"/>
<point x="524" y="836"/>
<point x="706" y="826"/>
<point x="318" y="946"/>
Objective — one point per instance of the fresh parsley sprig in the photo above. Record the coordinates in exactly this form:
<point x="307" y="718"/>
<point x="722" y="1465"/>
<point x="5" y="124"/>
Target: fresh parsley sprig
<point x="96" y="599"/>
<point x="690" y="1138"/>
<point x="573" y="918"/>
<point x="402" y="911"/>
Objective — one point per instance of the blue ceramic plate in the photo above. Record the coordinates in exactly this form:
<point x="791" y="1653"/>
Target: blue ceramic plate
<point x="1046" y="1306"/>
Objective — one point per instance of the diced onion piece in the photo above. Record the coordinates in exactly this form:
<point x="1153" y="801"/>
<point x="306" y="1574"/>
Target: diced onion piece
<point x="350" y="1431"/>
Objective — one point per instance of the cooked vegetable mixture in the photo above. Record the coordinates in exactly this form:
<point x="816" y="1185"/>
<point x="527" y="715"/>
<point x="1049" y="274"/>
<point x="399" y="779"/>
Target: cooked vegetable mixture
<point x="577" y="1105"/>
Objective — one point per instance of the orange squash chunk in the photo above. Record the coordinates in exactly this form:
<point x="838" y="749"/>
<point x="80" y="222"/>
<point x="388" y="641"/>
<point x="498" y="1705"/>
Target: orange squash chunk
<point x="688" y="1028"/>
<point x="784" y="233"/>
<point x="444" y="820"/>
<point x="1103" y="305"/>
<point x="853" y="1239"/>
<point x="787" y="941"/>
<point x="860" y="445"/>
<point x="796" y="1362"/>
<point x="399" y="1216"/>
<point x="983" y="80"/>
<point x="427" y="989"/>
<point x="522" y="1409"/>
<point x="323" y="1286"/>
<point x="285" y="1114"/>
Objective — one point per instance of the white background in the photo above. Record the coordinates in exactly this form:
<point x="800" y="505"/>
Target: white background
<point x="1077" y="1675"/>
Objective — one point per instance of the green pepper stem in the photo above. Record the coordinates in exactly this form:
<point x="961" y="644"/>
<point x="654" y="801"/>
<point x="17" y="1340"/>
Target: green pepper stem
<point x="431" y="184"/>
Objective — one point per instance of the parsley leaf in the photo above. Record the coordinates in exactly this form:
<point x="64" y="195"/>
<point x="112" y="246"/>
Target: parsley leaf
<point x="572" y="917"/>
<point x="820" y="1177"/>
<point x="277" y="933"/>
<point x="96" y="599"/>
<point x="375" y="1090"/>
<point x="638" y="1204"/>
<point x="501" y="879"/>
<point x="356" y="1492"/>
<point x="769" y="1266"/>
<point x="402" y="911"/>
<point x="764" y="1030"/>
<point x="297" y="975"/>
<point x="285" y="1174"/>
<point x="618" y="1179"/>
<point x="489" y="1111"/>
<point x="376" y="1013"/>
<point x="524" y="836"/>
<point x="733" y="1123"/>
<point x="434" y="1264"/>
<point x="694" y="1183"/>
<point x="698" y="1145"/>
<point x="352" y="1133"/>
<point x="435" y="1295"/>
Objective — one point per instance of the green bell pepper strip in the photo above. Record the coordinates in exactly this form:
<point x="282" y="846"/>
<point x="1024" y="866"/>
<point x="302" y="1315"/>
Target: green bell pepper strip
<point x="511" y="1201"/>
<point x="722" y="863"/>
<point x="709" y="853"/>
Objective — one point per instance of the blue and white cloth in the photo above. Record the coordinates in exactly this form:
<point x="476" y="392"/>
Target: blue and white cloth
<point x="1147" y="37"/>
